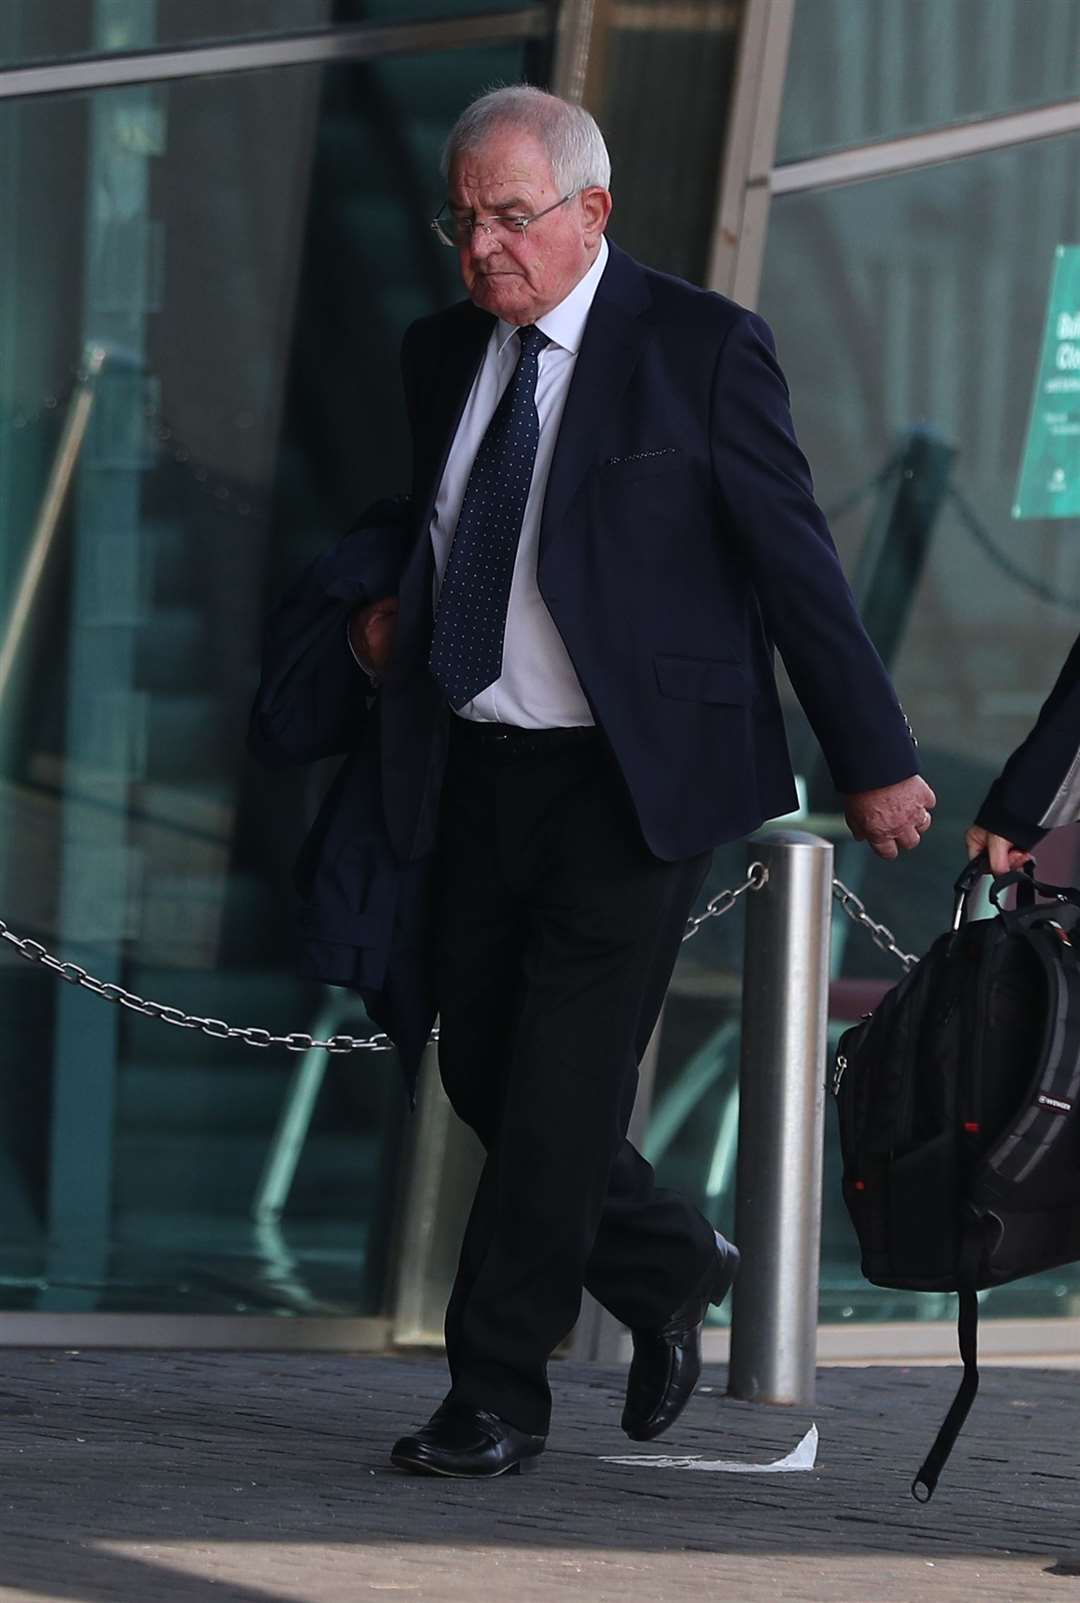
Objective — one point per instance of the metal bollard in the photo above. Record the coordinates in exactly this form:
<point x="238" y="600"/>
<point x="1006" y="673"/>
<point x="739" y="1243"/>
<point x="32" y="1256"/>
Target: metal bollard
<point x="781" y="1121"/>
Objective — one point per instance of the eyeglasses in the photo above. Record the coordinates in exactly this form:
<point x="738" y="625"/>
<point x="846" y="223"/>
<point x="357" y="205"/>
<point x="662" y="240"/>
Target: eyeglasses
<point x="458" y="231"/>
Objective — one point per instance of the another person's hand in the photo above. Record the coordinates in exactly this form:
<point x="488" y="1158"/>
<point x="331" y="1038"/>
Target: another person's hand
<point x="371" y="632"/>
<point x="1003" y="854"/>
<point x="892" y="819"/>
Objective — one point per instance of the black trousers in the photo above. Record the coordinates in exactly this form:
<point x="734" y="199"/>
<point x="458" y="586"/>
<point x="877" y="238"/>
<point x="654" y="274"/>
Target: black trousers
<point x="557" y="934"/>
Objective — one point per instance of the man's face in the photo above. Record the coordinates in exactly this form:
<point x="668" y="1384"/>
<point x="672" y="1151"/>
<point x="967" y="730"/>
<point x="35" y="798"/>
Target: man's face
<point x="516" y="276"/>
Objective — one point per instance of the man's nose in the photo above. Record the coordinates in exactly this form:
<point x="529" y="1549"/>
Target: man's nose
<point x="483" y="242"/>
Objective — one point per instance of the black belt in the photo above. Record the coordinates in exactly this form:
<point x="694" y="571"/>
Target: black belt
<point x="507" y="740"/>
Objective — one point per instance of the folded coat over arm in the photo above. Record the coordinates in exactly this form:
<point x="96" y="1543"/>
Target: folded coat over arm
<point x="363" y="915"/>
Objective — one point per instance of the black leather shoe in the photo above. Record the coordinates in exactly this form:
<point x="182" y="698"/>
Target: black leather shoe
<point x="667" y="1362"/>
<point x="467" y="1442"/>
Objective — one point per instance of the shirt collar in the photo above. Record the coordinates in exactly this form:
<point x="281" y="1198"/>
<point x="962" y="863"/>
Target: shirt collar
<point x="564" y="325"/>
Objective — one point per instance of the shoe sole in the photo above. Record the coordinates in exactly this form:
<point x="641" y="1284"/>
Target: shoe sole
<point x="523" y="1466"/>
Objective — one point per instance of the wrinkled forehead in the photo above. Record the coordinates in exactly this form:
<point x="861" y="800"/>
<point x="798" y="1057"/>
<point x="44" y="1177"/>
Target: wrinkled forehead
<point x="510" y="163"/>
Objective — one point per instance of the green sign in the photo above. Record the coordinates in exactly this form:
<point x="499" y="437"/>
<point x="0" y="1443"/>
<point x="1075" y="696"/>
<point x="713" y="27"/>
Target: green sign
<point x="1049" y="485"/>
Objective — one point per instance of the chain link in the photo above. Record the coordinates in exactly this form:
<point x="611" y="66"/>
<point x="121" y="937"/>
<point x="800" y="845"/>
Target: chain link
<point x="217" y="1029"/>
<point x="295" y="1040"/>
<point x="757" y="877"/>
<point x="51" y="406"/>
<point x="160" y="434"/>
<point x="880" y="934"/>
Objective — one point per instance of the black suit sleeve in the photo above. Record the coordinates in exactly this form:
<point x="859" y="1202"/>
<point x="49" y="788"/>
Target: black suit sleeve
<point x="313" y="697"/>
<point x="1039" y="787"/>
<point x="765" y="487"/>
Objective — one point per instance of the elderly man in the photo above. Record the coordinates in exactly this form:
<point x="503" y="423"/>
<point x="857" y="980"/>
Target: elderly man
<point x="609" y="527"/>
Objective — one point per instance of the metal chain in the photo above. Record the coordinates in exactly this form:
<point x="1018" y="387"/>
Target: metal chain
<point x="49" y="407"/>
<point x="757" y="877"/>
<point x="982" y="537"/>
<point x="162" y="434"/>
<point x="880" y="934"/>
<point x="296" y="1040"/>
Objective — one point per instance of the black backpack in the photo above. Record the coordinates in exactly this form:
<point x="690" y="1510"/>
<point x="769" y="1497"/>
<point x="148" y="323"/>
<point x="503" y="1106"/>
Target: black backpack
<point x="959" y="1107"/>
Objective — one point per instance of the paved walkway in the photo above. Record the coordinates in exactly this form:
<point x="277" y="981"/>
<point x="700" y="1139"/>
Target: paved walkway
<point x="178" y="1478"/>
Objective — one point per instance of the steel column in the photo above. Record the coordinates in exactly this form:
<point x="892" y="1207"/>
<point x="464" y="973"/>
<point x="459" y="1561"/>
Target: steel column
<point x="781" y="1120"/>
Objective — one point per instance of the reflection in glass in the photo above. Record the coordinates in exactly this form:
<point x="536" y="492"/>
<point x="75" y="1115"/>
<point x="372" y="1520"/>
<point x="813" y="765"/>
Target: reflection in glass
<point x="33" y="32"/>
<point x="861" y="70"/>
<point x="242" y="254"/>
<point x="666" y="147"/>
<point x="909" y="315"/>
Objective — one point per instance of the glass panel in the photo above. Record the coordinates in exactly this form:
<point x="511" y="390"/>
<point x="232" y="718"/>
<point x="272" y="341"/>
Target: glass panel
<point x="244" y="254"/>
<point x="909" y="315"/>
<point x="861" y="70"/>
<point x="35" y="31"/>
<point x="32" y="31"/>
<point x="666" y="148"/>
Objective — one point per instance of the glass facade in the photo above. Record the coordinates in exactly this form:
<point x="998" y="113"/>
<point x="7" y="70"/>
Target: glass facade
<point x="862" y="70"/>
<point x="202" y="288"/>
<point x="930" y="292"/>
<point x="909" y="313"/>
<point x="666" y="148"/>
<point x="33" y="32"/>
<point x="202" y="291"/>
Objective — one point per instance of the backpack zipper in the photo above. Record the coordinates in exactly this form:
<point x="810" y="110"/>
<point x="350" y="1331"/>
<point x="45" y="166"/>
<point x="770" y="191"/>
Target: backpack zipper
<point x="838" y="1072"/>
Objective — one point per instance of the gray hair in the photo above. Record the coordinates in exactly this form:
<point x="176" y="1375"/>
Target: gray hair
<point x="574" y="143"/>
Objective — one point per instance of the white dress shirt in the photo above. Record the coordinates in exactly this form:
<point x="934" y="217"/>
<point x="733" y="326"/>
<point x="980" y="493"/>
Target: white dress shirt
<point x="537" y="688"/>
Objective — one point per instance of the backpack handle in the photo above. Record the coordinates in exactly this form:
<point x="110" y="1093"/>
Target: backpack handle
<point x="1023" y="878"/>
<point x="968" y="878"/>
<point x="1028" y="885"/>
<point x="966" y="881"/>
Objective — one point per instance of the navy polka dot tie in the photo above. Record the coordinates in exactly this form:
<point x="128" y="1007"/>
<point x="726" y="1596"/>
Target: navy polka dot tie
<point x="470" y="620"/>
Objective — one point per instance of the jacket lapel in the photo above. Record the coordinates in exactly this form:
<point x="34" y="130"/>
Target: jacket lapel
<point x="615" y="334"/>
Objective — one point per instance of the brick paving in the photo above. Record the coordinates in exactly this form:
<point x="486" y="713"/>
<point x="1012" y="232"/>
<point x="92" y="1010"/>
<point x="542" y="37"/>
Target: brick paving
<point x="183" y="1477"/>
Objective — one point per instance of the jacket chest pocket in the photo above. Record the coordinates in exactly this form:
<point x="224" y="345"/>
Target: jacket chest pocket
<point x="616" y="471"/>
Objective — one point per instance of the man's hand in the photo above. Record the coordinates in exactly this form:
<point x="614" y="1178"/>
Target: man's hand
<point x="371" y="632"/>
<point x="1003" y="854"/>
<point x="892" y="819"/>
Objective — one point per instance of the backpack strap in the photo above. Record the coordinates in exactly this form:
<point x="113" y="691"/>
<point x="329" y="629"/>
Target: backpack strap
<point x="1035" y="1129"/>
<point x="1026" y="886"/>
<point x="967" y="1327"/>
<point x="967" y="1333"/>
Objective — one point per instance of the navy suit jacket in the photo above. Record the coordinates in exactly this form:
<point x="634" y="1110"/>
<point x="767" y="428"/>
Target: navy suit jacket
<point x="680" y="542"/>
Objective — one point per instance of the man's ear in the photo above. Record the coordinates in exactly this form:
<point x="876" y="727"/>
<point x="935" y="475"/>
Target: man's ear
<point x="596" y="208"/>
